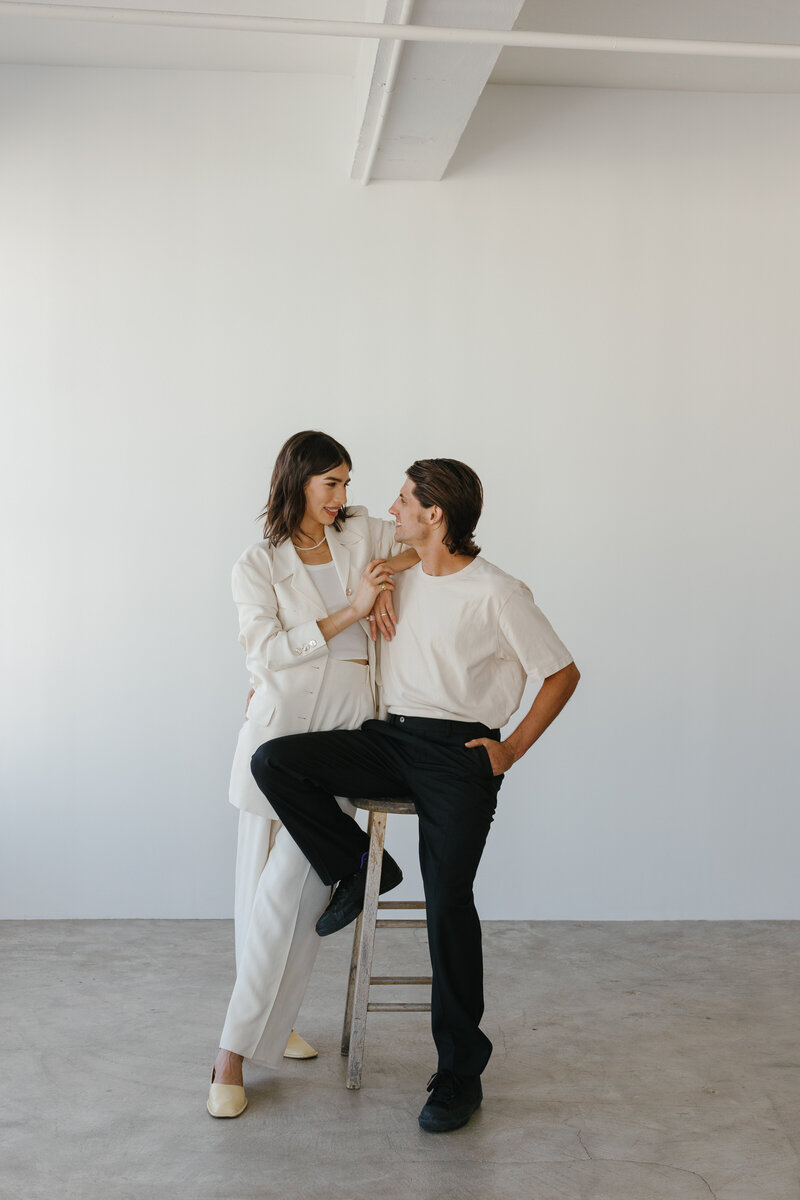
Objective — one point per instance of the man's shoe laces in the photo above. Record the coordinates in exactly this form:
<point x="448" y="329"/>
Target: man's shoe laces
<point x="443" y="1086"/>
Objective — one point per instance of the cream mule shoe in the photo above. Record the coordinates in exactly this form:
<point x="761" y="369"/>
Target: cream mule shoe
<point x="298" y="1047"/>
<point x="225" y="1099"/>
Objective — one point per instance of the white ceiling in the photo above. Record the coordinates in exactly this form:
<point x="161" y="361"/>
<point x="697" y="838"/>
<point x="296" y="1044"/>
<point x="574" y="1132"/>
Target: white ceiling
<point x="36" y="41"/>
<point x="56" y="43"/>
<point x="416" y="99"/>
<point x="702" y="20"/>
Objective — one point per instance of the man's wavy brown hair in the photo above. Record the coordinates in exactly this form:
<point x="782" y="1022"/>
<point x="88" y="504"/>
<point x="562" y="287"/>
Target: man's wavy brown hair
<point x="457" y="491"/>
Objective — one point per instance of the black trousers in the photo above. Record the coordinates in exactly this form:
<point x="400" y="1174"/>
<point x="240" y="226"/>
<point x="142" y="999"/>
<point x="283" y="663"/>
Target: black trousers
<point x="455" y="794"/>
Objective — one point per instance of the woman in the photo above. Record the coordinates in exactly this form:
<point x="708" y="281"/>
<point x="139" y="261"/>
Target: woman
<point x="304" y="597"/>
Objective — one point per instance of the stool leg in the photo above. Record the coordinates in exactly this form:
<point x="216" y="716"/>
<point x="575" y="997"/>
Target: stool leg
<point x="358" y="1029"/>
<point x="351" y="986"/>
<point x="351" y="979"/>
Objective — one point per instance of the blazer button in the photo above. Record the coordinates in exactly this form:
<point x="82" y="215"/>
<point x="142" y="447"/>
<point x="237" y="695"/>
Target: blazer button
<point x="311" y="643"/>
<point x="349" y="592"/>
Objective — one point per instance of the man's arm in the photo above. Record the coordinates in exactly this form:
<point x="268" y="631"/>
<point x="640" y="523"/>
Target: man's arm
<point x="550" y="699"/>
<point x="401" y="562"/>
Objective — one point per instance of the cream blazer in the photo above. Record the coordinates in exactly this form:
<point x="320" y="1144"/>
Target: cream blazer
<point x="279" y="608"/>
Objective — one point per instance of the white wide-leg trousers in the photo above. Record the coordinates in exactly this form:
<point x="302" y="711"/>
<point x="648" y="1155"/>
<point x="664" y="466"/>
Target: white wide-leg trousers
<point x="278" y="896"/>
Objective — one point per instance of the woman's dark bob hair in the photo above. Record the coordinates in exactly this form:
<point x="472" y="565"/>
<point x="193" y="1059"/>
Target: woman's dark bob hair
<point x="303" y="455"/>
<point x="457" y="491"/>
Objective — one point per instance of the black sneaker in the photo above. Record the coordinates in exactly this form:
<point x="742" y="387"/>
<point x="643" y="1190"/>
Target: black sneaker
<point x="348" y="899"/>
<point x="454" y="1098"/>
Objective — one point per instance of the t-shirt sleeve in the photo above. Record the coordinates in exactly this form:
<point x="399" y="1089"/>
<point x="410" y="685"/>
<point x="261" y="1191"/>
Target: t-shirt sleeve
<point x="525" y="634"/>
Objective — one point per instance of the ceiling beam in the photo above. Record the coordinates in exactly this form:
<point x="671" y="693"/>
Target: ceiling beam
<point x="416" y="98"/>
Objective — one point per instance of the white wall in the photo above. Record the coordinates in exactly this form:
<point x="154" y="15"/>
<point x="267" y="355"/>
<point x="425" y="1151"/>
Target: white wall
<point x="597" y="309"/>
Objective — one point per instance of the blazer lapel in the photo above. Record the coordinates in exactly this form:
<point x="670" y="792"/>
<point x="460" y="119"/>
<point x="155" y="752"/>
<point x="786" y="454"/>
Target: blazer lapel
<point x="341" y="545"/>
<point x="286" y="564"/>
<point x="344" y="548"/>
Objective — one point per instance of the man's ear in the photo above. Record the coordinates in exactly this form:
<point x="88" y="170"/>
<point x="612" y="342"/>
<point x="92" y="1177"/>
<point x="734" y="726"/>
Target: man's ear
<point x="435" y="516"/>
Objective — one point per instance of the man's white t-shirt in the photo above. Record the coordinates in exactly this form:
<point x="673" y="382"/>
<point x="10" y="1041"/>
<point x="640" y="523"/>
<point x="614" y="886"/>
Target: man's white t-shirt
<point x="465" y="645"/>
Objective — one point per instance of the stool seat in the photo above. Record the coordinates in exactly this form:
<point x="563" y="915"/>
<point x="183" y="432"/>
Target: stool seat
<point x="361" y="977"/>
<point x="387" y="805"/>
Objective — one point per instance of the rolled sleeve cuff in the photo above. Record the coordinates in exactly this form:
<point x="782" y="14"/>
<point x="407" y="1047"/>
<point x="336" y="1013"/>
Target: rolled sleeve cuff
<point x="544" y="671"/>
<point x="306" y="641"/>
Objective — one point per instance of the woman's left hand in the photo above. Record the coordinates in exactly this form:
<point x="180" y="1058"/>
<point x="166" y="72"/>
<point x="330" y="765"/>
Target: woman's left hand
<point x="382" y="618"/>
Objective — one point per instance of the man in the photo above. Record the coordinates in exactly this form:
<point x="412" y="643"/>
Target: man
<point x="468" y="637"/>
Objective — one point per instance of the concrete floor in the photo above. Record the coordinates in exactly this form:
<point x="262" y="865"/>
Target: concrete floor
<point x="650" y="1061"/>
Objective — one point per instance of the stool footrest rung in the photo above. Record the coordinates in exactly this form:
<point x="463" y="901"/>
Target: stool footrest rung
<point x="389" y="979"/>
<point x="401" y="923"/>
<point x="398" y="1008"/>
<point x="401" y="904"/>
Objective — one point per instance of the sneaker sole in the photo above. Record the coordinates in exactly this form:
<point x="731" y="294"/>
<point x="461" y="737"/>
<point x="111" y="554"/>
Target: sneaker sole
<point x="446" y="1127"/>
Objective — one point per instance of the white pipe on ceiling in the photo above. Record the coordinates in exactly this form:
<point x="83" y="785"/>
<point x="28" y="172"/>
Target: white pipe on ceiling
<point x="526" y="39"/>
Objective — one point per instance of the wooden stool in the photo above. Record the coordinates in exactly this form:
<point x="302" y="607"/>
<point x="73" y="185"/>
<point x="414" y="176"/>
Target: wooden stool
<point x="361" y="977"/>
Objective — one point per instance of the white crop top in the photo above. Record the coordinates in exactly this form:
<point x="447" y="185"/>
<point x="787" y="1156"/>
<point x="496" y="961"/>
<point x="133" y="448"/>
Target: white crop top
<point x="351" y="643"/>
